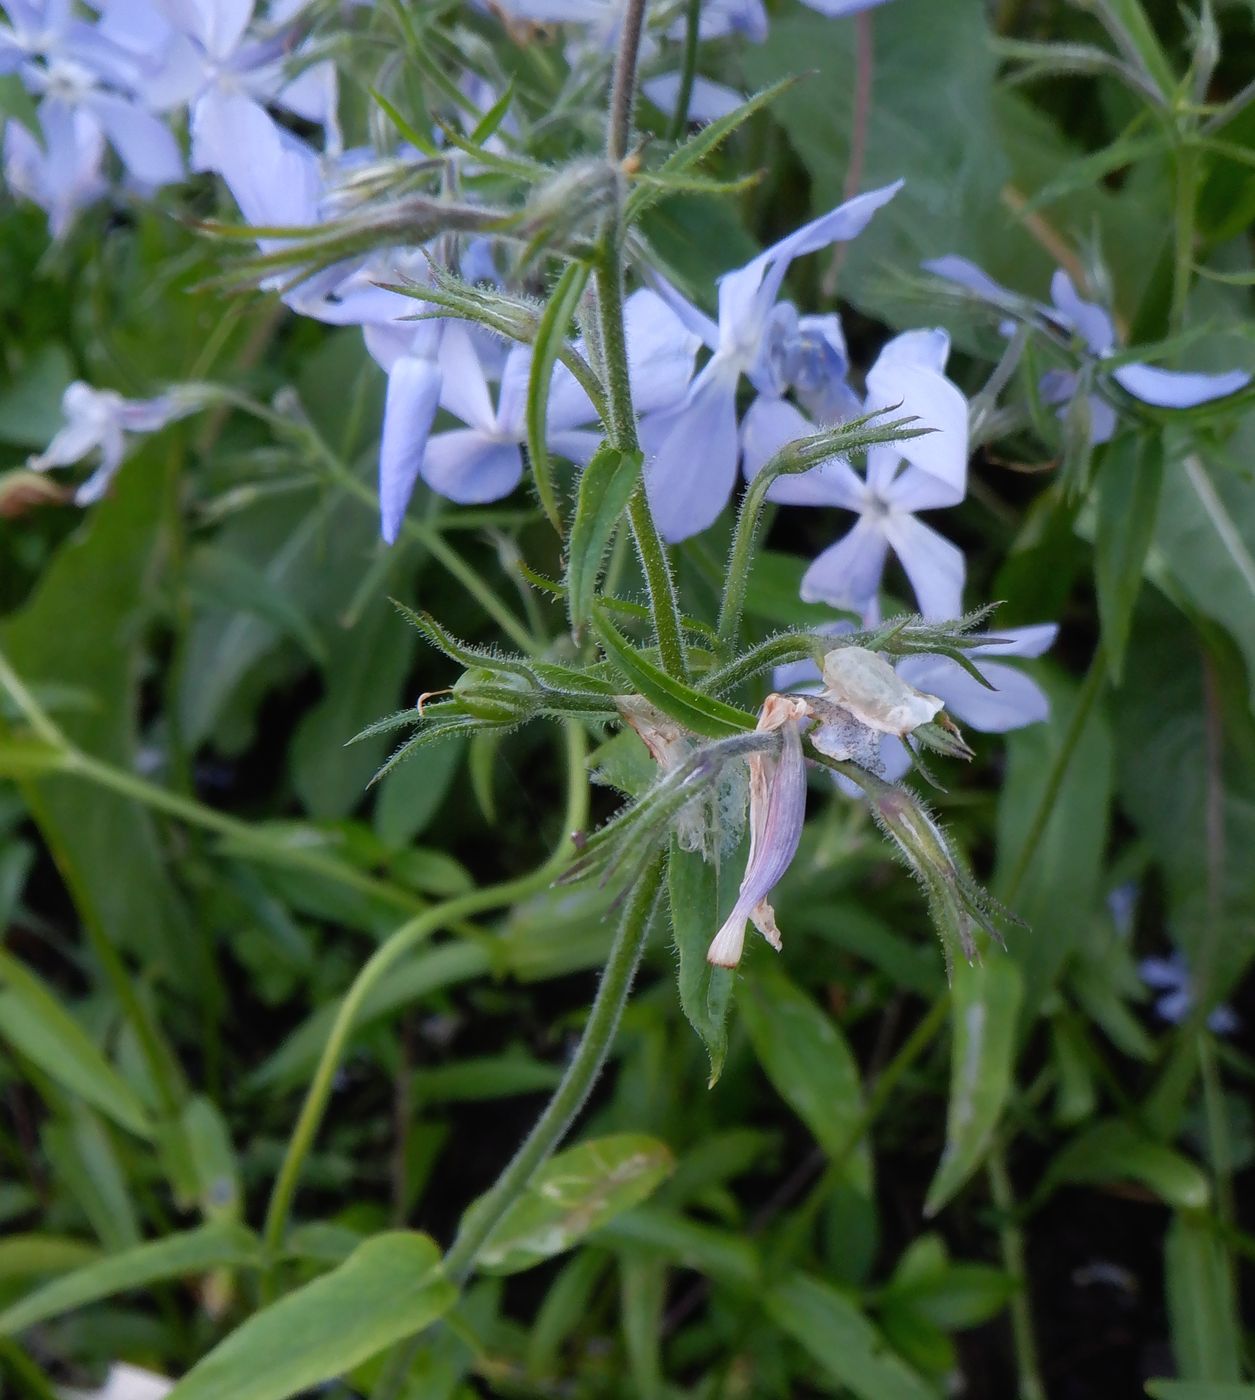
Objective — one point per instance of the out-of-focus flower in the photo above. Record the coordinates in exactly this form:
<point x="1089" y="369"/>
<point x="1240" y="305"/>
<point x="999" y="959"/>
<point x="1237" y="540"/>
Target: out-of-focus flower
<point x="62" y="173"/>
<point x="98" y="422"/>
<point x="922" y="473"/>
<point x="1093" y="326"/>
<point x="692" y="451"/>
<point x="838" y="9"/>
<point x="126" y="1382"/>
<point x="1171" y="977"/>
<point x="777" y="812"/>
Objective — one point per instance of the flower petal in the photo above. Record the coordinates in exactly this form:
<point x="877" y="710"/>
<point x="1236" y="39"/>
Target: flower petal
<point x="464" y="390"/>
<point x="1015" y="701"/>
<point x="847" y="574"/>
<point x="934" y="566"/>
<point x="469" y="467"/>
<point x="747" y="294"/>
<point x="1168" y="388"/>
<point x="409" y="409"/>
<point x="142" y="141"/>
<point x="1087" y="318"/>
<point x="691" y="455"/>
<point x="909" y="389"/>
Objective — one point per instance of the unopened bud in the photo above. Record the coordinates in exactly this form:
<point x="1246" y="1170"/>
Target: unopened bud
<point x="22" y="491"/>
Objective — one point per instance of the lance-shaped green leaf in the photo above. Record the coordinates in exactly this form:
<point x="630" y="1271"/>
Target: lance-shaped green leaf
<point x="1116" y="1151"/>
<point x="606" y="487"/>
<point x="35" y="1023"/>
<point x="698" y="147"/>
<point x="839" y="1337"/>
<point x="387" y="1289"/>
<point x="705" y="991"/>
<point x="697" y="712"/>
<point x="1128" y="506"/>
<point x="550" y="336"/>
<point x="177" y="1256"/>
<point x="810" y="1063"/>
<point x="986" y="1002"/>
<point x="1203" y="1313"/>
<point x="575" y="1193"/>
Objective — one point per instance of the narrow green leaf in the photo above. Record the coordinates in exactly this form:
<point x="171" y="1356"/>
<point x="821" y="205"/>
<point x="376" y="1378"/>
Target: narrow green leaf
<point x="1116" y="1151"/>
<point x="831" y="1327"/>
<point x="575" y="1193"/>
<point x="986" y="1002"/>
<point x="808" y="1060"/>
<point x="550" y="337"/>
<point x="388" y="1288"/>
<point x="700" y="713"/>
<point x="1198" y="1390"/>
<point x="176" y="1256"/>
<point x="1202" y="1310"/>
<point x="27" y="1256"/>
<point x="606" y="487"/>
<point x="228" y="580"/>
<point x="1128" y="506"/>
<point x="37" y="1025"/>
<point x="494" y="116"/>
<point x="407" y="130"/>
<point x="705" y="991"/>
<point x="700" y="145"/>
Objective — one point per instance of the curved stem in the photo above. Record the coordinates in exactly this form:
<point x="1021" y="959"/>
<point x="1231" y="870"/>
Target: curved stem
<point x="581" y="1074"/>
<point x="1011" y="1237"/>
<point x="401" y="942"/>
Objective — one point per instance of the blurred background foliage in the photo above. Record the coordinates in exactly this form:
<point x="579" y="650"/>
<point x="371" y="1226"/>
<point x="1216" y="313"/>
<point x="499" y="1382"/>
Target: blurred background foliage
<point x="183" y="911"/>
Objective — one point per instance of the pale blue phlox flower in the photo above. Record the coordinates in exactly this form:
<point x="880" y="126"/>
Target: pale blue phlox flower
<point x="63" y="173"/>
<point x="839" y="9"/>
<point x="482" y="461"/>
<point x="1171" y="977"/>
<point x="692" y="451"/>
<point x="923" y="473"/>
<point x="1094" y="327"/>
<point x="100" y="422"/>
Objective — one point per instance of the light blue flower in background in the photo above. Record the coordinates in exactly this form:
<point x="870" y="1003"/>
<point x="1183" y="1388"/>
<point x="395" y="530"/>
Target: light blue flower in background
<point x="692" y="451"/>
<point x="1171" y="976"/>
<point x="838" y="9"/>
<point x="62" y="173"/>
<point x="1015" y="701"/>
<point x="923" y="473"/>
<point x="1093" y="325"/>
<point x="98" y="421"/>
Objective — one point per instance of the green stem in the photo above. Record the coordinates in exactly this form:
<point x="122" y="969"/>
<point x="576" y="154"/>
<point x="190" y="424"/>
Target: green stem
<point x="664" y="605"/>
<point x="401" y="942"/>
<point x="1031" y="1385"/>
<point x="688" y="71"/>
<point x="623" y="90"/>
<point x="581" y="1074"/>
<point x="741" y="555"/>
<point x="1183" y="232"/>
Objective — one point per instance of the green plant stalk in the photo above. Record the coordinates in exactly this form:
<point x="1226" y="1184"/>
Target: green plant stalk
<point x="688" y="70"/>
<point x="740" y="556"/>
<point x="577" y="1083"/>
<point x="1011" y="1238"/>
<point x="623" y="88"/>
<point x="1186" y="198"/>
<point x="401" y="942"/>
<point x="664" y="606"/>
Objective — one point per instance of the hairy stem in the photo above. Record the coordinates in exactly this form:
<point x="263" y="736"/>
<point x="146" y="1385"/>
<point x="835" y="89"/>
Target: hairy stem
<point x="623" y="92"/>
<point x="577" y="1083"/>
